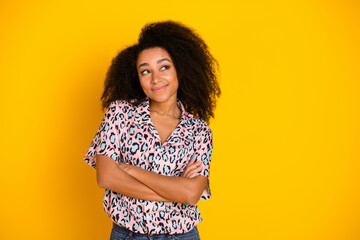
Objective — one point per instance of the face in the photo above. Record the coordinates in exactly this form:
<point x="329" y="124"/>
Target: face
<point x="157" y="75"/>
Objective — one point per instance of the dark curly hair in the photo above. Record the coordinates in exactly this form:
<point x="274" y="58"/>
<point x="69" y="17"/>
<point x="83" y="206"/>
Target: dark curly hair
<point x="196" y="68"/>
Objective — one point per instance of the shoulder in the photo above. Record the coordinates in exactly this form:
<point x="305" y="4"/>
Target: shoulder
<point x="202" y="133"/>
<point x="120" y="108"/>
<point x="119" y="105"/>
<point x="200" y="127"/>
<point x="118" y="111"/>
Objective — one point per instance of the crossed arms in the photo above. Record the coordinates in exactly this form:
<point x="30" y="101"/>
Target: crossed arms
<point x="138" y="183"/>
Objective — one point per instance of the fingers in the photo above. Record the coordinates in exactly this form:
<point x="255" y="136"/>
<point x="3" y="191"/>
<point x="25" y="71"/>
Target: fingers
<point x="194" y="172"/>
<point x="192" y="168"/>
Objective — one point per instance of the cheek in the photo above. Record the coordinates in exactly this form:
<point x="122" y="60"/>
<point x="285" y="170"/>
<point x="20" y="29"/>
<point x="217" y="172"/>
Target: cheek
<point x="174" y="78"/>
<point x="176" y="81"/>
<point x="143" y="84"/>
<point x="176" y="84"/>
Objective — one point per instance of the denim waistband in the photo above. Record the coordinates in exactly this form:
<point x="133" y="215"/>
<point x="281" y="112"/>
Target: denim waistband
<point x="192" y="234"/>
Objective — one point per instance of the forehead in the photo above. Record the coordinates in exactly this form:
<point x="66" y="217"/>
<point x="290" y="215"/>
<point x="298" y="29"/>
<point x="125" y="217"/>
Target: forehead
<point x="151" y="55"/>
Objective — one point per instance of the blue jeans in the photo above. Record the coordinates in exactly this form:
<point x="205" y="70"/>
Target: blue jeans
<point x="120" y="233"/>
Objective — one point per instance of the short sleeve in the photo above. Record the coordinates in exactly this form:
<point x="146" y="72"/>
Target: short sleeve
<point x="203" y="152"/>
<point x="105" y="141"/>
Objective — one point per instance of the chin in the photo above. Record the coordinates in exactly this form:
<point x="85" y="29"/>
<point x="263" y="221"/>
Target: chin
<point x="161" y="98"/>
<point x="158" y="99"/>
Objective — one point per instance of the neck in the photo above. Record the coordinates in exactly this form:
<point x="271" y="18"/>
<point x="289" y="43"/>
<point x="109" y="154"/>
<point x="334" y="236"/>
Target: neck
<point x="165" y="108"/>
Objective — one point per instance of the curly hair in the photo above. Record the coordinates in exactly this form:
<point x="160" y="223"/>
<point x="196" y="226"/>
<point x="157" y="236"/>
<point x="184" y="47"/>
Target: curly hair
<point x="196" y="69"/>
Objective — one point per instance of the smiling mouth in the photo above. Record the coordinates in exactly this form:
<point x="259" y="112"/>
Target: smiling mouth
<point x="159" y="89"/>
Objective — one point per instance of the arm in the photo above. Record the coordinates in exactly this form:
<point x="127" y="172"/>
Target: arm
<point x="178" y="189"/>
<point x="111" y="177"/>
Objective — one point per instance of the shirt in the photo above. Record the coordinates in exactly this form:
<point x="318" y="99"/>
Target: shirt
<point x="127" y="134"/>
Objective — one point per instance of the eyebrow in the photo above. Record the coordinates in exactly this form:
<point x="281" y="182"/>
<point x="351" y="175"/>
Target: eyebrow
<point x="158" y="61"/>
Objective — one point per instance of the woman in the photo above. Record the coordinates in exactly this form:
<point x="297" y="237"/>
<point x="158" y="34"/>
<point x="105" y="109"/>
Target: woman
<point x="152" y="152"/>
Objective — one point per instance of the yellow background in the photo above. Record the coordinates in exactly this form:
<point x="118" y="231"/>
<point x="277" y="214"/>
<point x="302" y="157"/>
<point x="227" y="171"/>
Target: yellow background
<point x="286" y="133"/>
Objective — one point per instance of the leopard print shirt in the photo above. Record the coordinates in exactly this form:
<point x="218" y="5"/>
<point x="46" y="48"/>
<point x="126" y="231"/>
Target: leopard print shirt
<point x="127" y="134"/>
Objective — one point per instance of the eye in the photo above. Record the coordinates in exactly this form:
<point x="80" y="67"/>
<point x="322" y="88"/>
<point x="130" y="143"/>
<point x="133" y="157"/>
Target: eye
<point x="145" y="72"/>
<point x="165" y="67"/>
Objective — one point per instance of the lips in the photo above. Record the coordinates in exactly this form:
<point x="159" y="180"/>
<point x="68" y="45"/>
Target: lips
<point x="159" y="89"/>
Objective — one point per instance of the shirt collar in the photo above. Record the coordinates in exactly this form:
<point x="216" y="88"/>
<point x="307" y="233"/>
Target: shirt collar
<point x="184" y="129"/>
<point x="143" y="111"/>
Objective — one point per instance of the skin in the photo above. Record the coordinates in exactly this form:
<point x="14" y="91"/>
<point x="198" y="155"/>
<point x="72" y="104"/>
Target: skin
<point x="158" y="79"/>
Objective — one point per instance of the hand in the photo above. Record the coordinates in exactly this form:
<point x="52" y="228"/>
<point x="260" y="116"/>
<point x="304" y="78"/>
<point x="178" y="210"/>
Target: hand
<point x="122" y="165"/>
<point x="192" y="168"/>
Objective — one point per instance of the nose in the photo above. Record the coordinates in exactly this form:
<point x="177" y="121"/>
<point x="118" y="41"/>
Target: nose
<point x="155" y="77"/>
